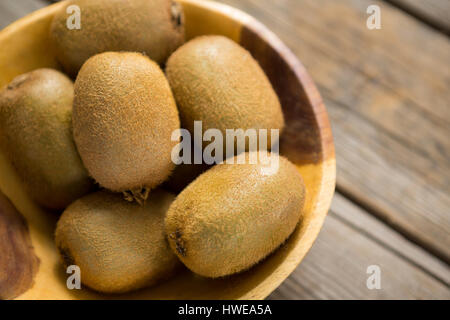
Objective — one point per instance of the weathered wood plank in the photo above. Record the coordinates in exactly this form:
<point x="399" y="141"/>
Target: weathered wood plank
<point x="352" y="240"/>
<point x="376" y="230"/>
<point x="11" y="10"/>
<point x="433" y="12"/>
<point x="393" y="76"/>
<point x="399" y="186"/>
<point x="386" y="92"/>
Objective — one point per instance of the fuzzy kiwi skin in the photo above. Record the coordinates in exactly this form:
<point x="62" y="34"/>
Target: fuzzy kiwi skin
<point x="233" y="216"/>
<point x="216" y="81"/>
<point x="124" y="114"/>
<point x="154" y="27"/>
<point x="119" y="246"/>
<point x="36" y="136"/>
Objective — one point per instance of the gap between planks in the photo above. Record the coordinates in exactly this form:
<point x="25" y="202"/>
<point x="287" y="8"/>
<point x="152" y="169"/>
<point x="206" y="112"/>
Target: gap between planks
<point x="380" y="214"/>
<point x="351" y="240"/>
<point x="434" y="13"/>
<point x="375" y="229"/>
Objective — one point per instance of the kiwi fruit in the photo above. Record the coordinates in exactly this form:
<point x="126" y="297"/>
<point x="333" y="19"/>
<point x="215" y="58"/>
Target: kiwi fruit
<point x="234" y="215"/>
<point x="119" y="246"/>
<point x="124" y="114"/>
<point x="36" y="136"/>
<point x="216" y="81"/>
<point x="154" y="27"/>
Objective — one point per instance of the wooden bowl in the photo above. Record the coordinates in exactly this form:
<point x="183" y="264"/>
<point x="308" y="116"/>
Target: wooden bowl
<point x="307" y="142"/>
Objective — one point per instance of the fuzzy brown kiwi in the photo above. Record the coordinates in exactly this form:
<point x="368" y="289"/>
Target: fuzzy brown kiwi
<point x="124" y="115"/>
<point x="36" y="136"/>
<point x="155" y="27"/>
<point x="216" y="81"/>
<point x="234" y="215"/>
<point x="119" y="246"/>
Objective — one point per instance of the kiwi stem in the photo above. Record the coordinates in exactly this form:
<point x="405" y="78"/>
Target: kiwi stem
<point x="138" y="195"/>
<point x="179" y="242"/>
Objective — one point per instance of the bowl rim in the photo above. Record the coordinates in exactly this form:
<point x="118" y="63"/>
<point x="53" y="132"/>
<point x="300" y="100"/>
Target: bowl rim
<point x="327" y="156"/>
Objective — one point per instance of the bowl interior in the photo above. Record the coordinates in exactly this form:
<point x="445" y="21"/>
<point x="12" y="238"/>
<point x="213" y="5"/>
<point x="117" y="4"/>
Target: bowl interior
<point x="307" y="142"/>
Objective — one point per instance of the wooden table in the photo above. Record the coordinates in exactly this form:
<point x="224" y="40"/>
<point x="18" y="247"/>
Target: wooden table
<point x="387" y="95"/>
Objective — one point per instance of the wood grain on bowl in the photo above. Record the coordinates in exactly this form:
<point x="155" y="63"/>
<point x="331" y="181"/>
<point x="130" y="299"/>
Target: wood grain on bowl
<point x="18" y="262"/>
<point x="307" y="142"/>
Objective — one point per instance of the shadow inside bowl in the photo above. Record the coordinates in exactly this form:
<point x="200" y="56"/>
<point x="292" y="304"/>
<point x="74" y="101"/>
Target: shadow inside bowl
<point x="306" y="141"/>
